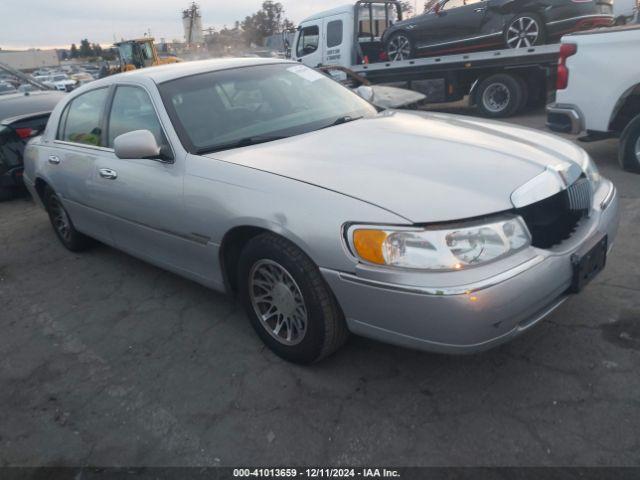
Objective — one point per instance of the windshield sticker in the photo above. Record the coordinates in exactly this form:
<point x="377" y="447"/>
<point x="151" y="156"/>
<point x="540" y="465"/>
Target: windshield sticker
<point x="306" y="73"/>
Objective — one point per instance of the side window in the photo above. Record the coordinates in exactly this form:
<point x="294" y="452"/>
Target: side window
<point x="82" y="119"/>
<point x="334" y="33"/>
<point x="308" y="40"/>
<point x="132" y="110"/>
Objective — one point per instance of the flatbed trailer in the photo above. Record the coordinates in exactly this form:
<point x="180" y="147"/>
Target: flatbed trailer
<point x="499" y="82"/>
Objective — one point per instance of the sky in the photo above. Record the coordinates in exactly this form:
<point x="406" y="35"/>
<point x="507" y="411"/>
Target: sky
<point x="58" y="23"/>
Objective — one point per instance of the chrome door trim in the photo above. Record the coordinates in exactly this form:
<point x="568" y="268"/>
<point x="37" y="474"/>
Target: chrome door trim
<point x="461" y="40"/>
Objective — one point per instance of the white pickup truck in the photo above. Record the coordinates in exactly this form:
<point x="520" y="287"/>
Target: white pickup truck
<point x="598" y="89"/>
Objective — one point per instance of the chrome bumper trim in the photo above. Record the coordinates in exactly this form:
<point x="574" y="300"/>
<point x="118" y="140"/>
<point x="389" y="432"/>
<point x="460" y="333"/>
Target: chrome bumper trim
<point x="610" y="196"/>
<point x="446" y="291"/>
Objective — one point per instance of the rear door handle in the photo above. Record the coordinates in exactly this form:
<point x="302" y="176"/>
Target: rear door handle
<point x="479" y="9"/>
<point x="54" y="160"/>
<point x="108" y="173"/>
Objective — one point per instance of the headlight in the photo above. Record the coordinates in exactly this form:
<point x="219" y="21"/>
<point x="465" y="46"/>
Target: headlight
<point x="446" y="248"/>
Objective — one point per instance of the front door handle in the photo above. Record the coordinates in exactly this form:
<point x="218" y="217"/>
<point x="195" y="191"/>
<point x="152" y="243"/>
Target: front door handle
<point x="479" y="9"/>
<point x="108" y="173"/>
<point x="54" y="160"/>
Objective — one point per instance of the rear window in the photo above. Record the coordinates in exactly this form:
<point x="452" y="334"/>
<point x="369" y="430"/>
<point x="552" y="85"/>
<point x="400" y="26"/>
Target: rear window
<point x="81" y="122"/>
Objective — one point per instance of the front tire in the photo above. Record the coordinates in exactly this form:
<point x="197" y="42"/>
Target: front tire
<point x="629" y="148"/>
<point x="62" y="224"/>
<point x="524" y="30"/>
<point x="288" y="302"/>
<point x="400" y="47"/>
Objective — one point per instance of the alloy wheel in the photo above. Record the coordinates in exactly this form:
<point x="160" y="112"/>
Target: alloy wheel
<point x="637" y="149"/>
<point x="523" y="32"/>
<point x="60" y="219"/>
<point x="496" y="97"/>
<point x="399" y="48"/>
<point x="278" y="302"/>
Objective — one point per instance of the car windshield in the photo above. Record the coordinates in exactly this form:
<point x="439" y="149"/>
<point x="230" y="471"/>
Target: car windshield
<point x="238" y="107"/>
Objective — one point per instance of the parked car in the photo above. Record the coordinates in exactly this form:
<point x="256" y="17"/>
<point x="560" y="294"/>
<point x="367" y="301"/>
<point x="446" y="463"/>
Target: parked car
<point x="456" y="26"/>
<point x="7" y="88"/>
<point x="268" y="179"/>
<point x="587" y="61"/>
<point x="22" y="116"/>
<point x="61" y="82"/>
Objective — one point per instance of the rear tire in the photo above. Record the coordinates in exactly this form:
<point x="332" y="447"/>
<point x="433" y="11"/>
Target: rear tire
<point x="525" y="30"/>
<point x="62" y="224"/>
<point x="629" y="148"/>
<point x="499" y="96"/>
<point x="280" y="284"/>
<point x="400" y="47"/>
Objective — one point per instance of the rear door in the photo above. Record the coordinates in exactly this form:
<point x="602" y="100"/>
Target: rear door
<point x="71" y="161"/>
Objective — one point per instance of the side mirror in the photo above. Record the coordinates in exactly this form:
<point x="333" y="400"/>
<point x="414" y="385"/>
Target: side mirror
<point x="365" y="92"/>
<point x="136" y="144"/>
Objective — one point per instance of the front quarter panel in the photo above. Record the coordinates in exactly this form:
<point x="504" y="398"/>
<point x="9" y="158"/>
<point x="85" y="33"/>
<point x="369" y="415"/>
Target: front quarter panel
<point x="220" y="196"/>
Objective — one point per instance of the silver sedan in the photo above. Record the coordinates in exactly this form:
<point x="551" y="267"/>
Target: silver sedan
<point x="324" y="214"/>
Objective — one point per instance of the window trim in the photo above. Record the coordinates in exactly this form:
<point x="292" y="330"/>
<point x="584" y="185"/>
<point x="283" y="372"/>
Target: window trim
<point x="107" y="118"/>
<point x="301" y="37"/>
<point x="65" y="116"/>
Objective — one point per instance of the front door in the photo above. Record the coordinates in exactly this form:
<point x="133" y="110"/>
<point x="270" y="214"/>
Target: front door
<point x="454" y="27"/>
<point x="143" y="198"/>
<point x="308" y="48"/>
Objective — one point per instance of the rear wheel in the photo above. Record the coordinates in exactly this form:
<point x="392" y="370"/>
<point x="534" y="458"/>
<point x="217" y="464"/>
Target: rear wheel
<point x="62" y="224"/>
<point x="499" y="96"/>
<point x="524" y="30"/>
<point x="288" y="302"/>
<point x="400" y="47"/>
<point x="629" y="148"/>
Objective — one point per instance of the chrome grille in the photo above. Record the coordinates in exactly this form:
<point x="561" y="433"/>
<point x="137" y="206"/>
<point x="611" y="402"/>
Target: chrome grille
<point x="579" y="195"/>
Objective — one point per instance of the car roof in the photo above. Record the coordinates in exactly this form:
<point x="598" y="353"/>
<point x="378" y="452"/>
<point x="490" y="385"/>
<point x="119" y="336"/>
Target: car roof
<point x="15" y="104"/>
<point x="164" y="73"/>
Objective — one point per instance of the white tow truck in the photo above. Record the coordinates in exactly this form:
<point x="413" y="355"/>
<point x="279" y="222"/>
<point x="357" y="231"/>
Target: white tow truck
<point x="499" y="82"/>
<point x="598" y="89"/>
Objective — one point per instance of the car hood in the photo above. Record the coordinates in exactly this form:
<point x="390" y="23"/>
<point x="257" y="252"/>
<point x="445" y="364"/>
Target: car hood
<point x="424" y="167"/>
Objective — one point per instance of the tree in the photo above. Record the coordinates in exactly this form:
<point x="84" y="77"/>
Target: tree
<point x="85" y="48"/>
<point x="267" y="21"/>
<point x="97" y="49"/>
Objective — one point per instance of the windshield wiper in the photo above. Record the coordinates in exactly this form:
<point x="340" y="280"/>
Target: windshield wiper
<point x="243" y="142"/>
<point x="341" y="120"/>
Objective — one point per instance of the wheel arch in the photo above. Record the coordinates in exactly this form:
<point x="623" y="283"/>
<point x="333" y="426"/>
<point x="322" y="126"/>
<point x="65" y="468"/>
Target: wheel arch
<point x="627" y="107"/>
<point x="236" y="238"/>
<point x="41" y="186"/>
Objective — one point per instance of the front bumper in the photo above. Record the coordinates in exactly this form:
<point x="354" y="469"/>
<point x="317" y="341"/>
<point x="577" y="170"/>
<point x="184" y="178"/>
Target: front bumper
<point x="564" y="118"/>
<point x="470" y="317"/>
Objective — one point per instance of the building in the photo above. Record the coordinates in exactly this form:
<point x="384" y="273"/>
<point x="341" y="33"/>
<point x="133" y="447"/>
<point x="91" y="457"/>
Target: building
<point x="29" y="59"/>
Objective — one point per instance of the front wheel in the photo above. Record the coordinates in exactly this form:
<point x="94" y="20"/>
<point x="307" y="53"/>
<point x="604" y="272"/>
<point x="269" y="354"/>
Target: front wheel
<point x="288" y="302"/>
<point x="524" y="30"/>
<point x="629" y="148"/>
<point x="400" y="47"/>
